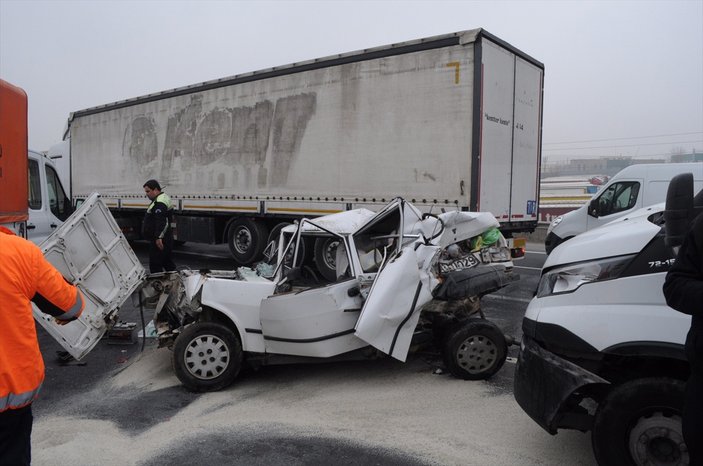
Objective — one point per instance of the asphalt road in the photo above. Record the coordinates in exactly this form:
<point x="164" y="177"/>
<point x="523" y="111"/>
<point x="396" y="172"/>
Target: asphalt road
<point x="122" y="405"/>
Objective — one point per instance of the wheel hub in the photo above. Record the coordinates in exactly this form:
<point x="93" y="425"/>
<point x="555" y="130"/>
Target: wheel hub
<point x="658" y="440"/>
<point x="242" y="240"/>
<point x="206" y="357"/>
<point x="330" y="254"/>
<point x="476" y="354"/>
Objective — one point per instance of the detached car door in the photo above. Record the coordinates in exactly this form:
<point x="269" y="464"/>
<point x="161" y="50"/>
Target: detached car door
<point x="91" y="252"/>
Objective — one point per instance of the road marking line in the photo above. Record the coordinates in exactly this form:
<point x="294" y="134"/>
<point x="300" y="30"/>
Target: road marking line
<point x="527" y="268"/>
<point x="507" y="298"/>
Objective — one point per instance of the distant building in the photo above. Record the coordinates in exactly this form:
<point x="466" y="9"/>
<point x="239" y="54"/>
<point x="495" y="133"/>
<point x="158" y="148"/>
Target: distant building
<point x="604" y="165"/>
<point x="691" y="157"/>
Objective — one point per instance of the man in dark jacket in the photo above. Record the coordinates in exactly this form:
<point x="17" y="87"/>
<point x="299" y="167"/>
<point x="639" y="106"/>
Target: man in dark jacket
<point x="683" y="290"/>
<point x="156" y="228"/>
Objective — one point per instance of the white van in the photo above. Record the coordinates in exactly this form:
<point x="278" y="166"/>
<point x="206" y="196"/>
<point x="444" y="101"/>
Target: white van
<point x="49" y="206"/>
<point x="632" y="188"/>
<point x="601" y="351"/>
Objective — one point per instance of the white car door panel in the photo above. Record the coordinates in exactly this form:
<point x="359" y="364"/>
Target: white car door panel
<point x="91" y="252"/>
<point x="318" y="322"/>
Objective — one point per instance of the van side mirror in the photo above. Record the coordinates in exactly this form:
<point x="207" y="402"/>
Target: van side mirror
<point x="679" y="209"/>
<point x="593" y="208"/>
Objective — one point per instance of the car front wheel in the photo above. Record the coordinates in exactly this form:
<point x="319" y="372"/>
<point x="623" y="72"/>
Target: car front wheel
<point x="207" y="356"/>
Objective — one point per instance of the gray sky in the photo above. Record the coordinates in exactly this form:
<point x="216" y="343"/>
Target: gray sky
<point x="621" y="77"/>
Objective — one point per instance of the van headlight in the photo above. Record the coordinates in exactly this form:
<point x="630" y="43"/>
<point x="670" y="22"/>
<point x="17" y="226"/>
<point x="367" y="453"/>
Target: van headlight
<point x="554" y="223"/>
<point x="569" y="278"/>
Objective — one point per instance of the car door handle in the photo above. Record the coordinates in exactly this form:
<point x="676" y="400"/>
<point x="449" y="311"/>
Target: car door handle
<point x="53" y="225"/>
<point x="30" y="226"/>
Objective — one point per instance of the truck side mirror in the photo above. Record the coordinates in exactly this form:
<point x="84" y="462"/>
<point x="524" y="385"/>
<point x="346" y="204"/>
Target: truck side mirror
<point x="593" y="208"/>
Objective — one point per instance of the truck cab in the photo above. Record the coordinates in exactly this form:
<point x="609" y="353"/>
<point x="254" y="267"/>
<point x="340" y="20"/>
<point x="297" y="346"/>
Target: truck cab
<point x="49" y="205"/>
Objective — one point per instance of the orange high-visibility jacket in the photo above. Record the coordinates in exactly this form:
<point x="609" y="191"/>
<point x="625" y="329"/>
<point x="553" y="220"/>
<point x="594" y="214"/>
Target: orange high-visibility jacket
<point x="25" y="277"/>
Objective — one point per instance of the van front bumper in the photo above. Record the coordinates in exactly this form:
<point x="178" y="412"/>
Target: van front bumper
<point x="547" y="388"/>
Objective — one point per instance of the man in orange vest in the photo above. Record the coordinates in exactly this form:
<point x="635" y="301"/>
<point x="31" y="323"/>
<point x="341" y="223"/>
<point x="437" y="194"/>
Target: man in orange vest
<point x="25" y="277"/>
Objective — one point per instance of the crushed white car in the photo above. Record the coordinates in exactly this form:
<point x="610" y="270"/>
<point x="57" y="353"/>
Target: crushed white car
<point x="402" y="279"/>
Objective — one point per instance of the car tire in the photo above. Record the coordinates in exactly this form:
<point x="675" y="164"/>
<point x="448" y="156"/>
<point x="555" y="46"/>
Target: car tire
<point x="246" y="239"/>
<point x="474" y="350"/>
<point x="325" y="257"/>
<point x="639" y="422"/>
<point x="207" y="357"/>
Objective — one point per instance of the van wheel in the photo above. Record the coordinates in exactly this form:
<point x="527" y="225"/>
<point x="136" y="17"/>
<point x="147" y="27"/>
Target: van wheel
<point x="639" y="422"/>
<point x="326" y="257"/>
<point x="475" y="350"/>
<point x="246" y="239"/>
<point x="207" y="357"/>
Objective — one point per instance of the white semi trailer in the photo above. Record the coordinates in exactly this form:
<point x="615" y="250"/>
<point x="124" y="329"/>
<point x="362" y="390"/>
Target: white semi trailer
<point x="451" y="122"/>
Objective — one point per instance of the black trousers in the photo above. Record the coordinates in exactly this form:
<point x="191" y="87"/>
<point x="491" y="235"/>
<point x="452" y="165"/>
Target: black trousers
<point x="693" y="417"/>
<point x="15" y="435"/>
<point x="160" y="260"/>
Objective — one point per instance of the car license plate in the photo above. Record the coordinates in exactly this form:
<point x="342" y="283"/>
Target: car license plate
<point x="460" y="264"/>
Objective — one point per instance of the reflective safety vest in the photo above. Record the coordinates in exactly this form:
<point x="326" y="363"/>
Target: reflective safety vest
<point x="157" y="222"/>
<point x="26" y="277"/>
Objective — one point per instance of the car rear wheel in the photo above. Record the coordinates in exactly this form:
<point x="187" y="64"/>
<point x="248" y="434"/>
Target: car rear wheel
<point x="474" y="350"/>
<point x="207" y="356"/>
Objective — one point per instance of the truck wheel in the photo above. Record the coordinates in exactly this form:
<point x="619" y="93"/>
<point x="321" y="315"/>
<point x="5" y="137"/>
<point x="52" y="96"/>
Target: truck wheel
<point x="639" y="422"/>
<point x="207" y="357"/>
<point x="326" y="257"/>
<point x="276" y="232"/>
<point x="475" y="350"/>
<point x="247" y="239"/>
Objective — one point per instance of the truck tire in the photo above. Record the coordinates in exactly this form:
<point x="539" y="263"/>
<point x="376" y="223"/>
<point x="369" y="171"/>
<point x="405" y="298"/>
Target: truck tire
<point x="474" y="350"/>
<point x="276" y="232"/>
<point x="247" y="239"/>
<point x="639" y="422"/>
<point x="326" y="257"/>
<point x="207" y="356"/>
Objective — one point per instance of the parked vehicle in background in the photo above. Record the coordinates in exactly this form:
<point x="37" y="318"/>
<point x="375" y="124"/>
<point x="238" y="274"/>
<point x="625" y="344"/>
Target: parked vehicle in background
<point x="49" y="205"/>
<point x="630" y="189"/>
<point x="33" y="202"/>
<point x="601" y="350"/>
<point x="451" y="123"/>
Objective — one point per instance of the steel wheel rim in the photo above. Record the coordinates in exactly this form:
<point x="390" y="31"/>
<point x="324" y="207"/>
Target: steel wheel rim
<point x="242" y="240"/>
<point x="477" y="354"/>
<point x="206" y="357"/>
<point x="658" y="439"/>
<point x="329" y="254"/>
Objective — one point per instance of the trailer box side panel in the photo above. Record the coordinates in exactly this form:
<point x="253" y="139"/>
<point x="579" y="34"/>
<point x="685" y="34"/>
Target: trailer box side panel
<point x="398" y="125"/>
<point x="510" y="135"/>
